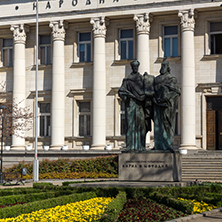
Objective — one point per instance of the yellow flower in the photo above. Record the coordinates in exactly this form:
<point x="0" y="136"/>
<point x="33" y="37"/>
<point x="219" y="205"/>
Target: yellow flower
<point x="200" y="207"/>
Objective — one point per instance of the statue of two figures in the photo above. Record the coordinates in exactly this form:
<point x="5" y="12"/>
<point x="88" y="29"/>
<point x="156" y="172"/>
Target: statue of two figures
<point x="149" y="98"/>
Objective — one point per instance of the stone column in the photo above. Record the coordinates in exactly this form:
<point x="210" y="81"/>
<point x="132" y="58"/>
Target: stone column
<point x="143" y="48"/>
<point x="143" y="32"/>
<point x="188" y="120"/>
<point x="19" y="80"/>
<point x="58" y="85"/>
<point x="99" y="84"/>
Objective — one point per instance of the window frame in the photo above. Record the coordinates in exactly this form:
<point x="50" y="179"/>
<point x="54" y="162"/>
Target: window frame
<point x="171" y="41"/>
<point x="45" y="46"/>
<point x="207" y="43"/>
<point x="45" y="115"/>
<point x="84" y="114"/>
<point x="160" y="39"/>
<point x="85" y="44"/>
<point x="121" y="112"/>
<point x="7" y="48"/>
<point x="210" y="37"/>
<point x="127" y="44"/>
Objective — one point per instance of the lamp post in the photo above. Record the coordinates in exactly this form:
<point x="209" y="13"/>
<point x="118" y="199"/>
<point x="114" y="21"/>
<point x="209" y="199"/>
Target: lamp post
<point x="2" y="107"/>
<point x="36" y="161"/>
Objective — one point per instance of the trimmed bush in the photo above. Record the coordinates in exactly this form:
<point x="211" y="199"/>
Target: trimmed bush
<point x="16" y="210"/>
<point x="103" y="164"/>
<point x="16" y="191"/>
<point x="112" y="211"/>
<point x="31" y="197"/>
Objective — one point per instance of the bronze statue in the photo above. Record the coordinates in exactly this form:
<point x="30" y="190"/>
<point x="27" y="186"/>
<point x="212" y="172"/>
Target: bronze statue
<point x="133" y="94"/>
<point x="166" y="93"/>
<point x="147" y="98"/>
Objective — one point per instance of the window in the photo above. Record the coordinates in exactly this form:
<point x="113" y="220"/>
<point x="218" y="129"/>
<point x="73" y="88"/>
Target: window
<point x="45" y="49"/>
<point x="85" y="47"/>
<point x="216" y="37"/>
<point x="44" y="109"/>
<point x="84" y="118"/>
<point x="122" y="118"/>
<point x="170" y="41"/>
<point x="7" y="52"/>
<point x="126" y="43"/>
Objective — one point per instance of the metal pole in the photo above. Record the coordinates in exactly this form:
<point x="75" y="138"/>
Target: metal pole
<point x="2" y="108"/>
<point x="36" y="161"/>
<point x="1" y="178"/>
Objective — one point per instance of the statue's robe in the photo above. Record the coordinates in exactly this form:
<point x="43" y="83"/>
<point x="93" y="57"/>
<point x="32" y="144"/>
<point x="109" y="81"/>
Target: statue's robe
<point x="132" y="93"/>
<point x="148" y="102"/>
<point x="165" y="104"/>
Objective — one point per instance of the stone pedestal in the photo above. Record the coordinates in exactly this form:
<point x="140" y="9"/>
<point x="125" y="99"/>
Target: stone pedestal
<point x="150" y="166"/>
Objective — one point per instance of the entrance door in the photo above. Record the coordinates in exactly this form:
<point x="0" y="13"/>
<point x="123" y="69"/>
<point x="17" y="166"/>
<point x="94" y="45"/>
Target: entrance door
<point x="211" y="130"/>
<point x="214" y="123"/>
<point x="219" y="126"/>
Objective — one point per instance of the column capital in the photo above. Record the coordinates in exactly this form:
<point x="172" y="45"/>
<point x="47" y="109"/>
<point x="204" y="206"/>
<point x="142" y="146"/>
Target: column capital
<point x="58" y="30"/>
<point x="142" y="23"/>
<point x="99" y="26"/>
<point x="187" y="20"/>
<point x="19" y="33"/>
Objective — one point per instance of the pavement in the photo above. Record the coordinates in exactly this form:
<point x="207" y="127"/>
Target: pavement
<point x="209" y="216"/>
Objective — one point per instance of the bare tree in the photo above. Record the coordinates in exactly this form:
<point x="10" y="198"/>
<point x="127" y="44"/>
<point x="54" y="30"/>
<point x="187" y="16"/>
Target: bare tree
<point x="17" y="119"/>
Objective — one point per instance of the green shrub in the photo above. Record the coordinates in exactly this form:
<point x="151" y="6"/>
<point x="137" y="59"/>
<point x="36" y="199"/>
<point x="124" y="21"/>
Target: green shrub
<point x="180" y="205"/>
<point x="16" y="191"/>
<point x="103" y="164"/>
<point x="43" y="186"/>
<point x="112" y="211"/>
<point x="16" y="210"/>
<point x="31" y="197"/>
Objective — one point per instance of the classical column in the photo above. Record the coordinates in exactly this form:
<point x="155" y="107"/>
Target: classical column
<point x="143" y="32"/>
<point x="19" y="80"/>
<point x="99" y="84"/>
<point x="188" y="120"/>
<point x="58" y="85"/>
<point x="143" y="51"/>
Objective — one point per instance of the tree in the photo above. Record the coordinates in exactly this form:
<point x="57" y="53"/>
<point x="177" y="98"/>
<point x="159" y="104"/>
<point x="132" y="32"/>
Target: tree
<point x="17" y="119"/>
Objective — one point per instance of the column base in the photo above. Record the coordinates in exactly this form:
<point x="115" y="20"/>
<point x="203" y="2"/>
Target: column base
<point x="17" y="147"/>
<point x="98" y="147"/>
<point x="188" y="147"/>
<point x="55" y="147"/>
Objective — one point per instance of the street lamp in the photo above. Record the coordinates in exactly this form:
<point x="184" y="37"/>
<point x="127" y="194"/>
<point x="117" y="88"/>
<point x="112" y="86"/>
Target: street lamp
<point x="2" y="107"/>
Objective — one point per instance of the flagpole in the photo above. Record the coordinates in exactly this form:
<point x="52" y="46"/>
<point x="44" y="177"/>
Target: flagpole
<point x="36" y="161"/>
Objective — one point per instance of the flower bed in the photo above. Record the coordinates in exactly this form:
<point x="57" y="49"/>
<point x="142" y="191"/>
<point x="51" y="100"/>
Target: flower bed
<point x="141" y="209"/>
<point x="200" y="207"/>
<point x="88" y="210"/>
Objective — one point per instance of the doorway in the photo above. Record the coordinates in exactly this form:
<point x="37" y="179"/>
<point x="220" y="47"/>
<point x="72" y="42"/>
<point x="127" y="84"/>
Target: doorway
<point x="214" y="123"/>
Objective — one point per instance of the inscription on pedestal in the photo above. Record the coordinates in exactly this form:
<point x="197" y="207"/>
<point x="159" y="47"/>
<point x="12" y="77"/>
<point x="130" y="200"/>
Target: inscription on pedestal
<point x="150" y="166"/>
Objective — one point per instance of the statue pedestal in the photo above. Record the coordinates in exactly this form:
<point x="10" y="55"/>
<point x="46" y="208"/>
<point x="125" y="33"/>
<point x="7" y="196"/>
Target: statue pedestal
<point x="150" y="166"/>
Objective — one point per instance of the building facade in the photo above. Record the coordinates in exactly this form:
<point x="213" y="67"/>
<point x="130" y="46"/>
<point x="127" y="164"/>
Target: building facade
<point x="85" y="48"/>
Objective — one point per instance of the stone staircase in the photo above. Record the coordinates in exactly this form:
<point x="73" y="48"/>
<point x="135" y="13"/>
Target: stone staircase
<point x="202" y="165"/>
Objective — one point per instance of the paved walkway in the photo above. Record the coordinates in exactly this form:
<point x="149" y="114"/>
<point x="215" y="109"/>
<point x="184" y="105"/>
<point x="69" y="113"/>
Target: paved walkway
<point x="211" y="216"/>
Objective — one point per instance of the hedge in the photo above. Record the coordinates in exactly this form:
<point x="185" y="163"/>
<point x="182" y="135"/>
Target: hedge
<point x="103" y="164"/>
<point x="31" y="197"/>
<point x="181" y="205"/>
<point x="16" y="191"/>
<point x="112" y="211"/>
<point x="159" y="196"/>
<point x="16" y="210"/>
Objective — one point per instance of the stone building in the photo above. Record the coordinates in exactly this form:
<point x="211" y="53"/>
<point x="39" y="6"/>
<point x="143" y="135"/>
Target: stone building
<point x="85" y="48"/>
